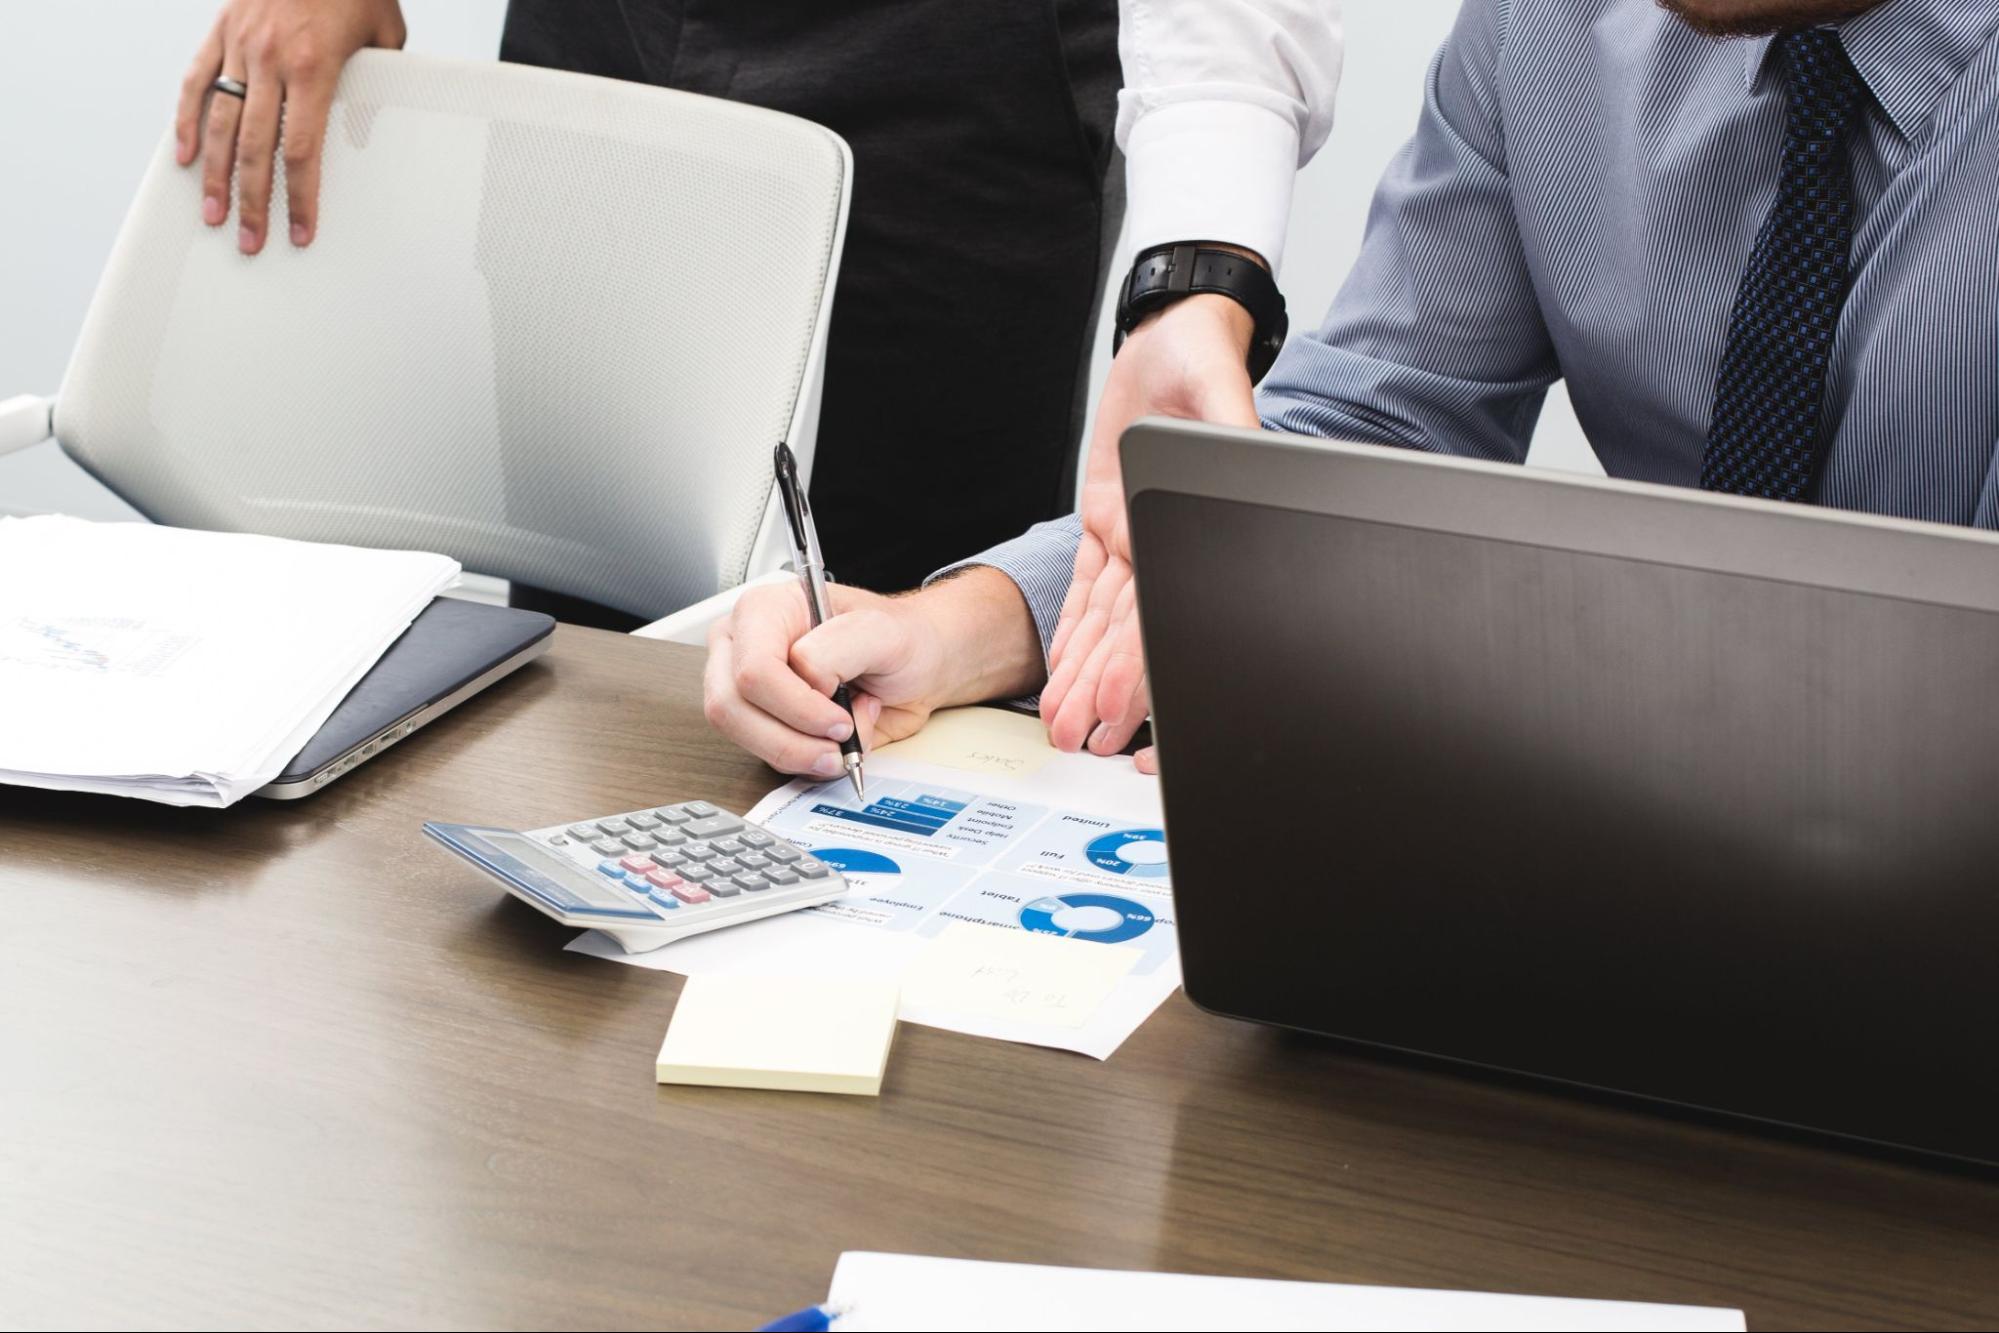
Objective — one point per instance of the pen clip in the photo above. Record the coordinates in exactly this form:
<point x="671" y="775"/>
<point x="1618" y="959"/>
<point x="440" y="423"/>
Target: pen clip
<point x="792" y="497"/>
<point x="804" y="537"/>
<point x="797" y="511"/>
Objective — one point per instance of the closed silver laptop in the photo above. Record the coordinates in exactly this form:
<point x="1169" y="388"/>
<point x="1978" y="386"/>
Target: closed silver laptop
<point x="454" y="650"/>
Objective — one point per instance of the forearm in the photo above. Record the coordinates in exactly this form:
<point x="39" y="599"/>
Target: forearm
<point x="990" y="648"/>
<point x="1039" y="564"/>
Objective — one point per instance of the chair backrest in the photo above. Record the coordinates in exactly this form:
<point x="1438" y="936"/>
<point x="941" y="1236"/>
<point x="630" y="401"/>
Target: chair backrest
<point x="551" y="325"/>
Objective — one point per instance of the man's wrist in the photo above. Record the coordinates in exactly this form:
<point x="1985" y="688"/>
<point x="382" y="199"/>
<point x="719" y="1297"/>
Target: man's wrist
<point x="980" y="626"/>
<point x="1168" y="276"/>
<point x="1205" y="314"/>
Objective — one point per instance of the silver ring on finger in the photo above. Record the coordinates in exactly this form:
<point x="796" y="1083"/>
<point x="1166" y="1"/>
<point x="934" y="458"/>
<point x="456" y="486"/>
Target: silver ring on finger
<point x="234" y="87"/>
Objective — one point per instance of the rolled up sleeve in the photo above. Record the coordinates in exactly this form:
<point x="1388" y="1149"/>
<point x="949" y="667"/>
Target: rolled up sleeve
<point x="1041" y="562"/>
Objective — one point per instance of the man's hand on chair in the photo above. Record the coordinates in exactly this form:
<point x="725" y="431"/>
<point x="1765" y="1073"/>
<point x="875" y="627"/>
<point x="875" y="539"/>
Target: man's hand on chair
<point x="1189" y="360"/>
<point x="287" y="56"/>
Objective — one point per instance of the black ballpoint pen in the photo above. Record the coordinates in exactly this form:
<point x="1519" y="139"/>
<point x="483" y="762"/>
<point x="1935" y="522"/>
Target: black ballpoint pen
<point x="812" y="573"/>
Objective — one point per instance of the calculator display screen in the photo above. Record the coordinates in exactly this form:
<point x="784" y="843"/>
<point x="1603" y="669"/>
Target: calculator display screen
<point x="592" y="890"/>
<point x="522" y="862"/>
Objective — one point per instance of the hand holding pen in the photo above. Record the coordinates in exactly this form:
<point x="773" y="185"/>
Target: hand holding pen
<point x="811" y="567"/>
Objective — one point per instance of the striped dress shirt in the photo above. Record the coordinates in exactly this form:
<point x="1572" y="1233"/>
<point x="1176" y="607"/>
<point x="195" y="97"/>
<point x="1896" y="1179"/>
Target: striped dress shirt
<point x="1579" y="202"/>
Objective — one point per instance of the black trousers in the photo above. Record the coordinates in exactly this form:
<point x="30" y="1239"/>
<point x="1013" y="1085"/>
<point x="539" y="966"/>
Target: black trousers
<point x="976" y="247"/>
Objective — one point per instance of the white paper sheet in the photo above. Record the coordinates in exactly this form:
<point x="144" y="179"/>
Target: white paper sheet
<point x="884" y="1293"/>
<point x="180" y="666"/>
<point x="1062" y="843"/>
<point x="1024" y="976"/>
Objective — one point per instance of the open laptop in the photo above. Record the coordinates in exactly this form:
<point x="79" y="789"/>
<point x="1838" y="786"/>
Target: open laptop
<point x="452" y="651"/>
<point x="1672" y="794"/>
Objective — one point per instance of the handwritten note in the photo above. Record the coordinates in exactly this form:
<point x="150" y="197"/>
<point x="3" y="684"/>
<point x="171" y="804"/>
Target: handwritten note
<point x="1020" y="975"/>
<point x="979" y="740"/>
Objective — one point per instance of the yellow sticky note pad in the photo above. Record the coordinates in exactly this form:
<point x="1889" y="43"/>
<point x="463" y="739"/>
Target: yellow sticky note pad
<point x="795" y="1034"/>
<point x="1021" y="975"/>
<point x="979" y="740"/>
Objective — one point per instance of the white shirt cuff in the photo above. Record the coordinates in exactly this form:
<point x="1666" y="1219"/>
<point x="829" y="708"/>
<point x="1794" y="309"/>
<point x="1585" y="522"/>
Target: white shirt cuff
<point x="1211" y="171"/>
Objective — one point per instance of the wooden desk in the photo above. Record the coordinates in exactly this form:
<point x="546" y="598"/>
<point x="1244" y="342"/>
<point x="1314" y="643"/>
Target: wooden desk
<point x="290" y="1064"/>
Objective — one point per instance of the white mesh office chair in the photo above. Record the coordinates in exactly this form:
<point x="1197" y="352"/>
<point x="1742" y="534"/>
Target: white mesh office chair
<point x="552" y="325"/>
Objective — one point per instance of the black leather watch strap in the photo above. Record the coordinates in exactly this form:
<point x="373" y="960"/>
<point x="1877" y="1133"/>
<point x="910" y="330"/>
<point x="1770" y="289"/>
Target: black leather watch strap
<point x="1168" y="273"/>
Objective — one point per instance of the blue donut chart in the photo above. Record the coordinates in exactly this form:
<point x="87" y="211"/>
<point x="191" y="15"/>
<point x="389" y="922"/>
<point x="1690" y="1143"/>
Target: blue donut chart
<point x="1039" y="915"/>
<point x="1102" y="853"/>
<point x="855" y="860"/>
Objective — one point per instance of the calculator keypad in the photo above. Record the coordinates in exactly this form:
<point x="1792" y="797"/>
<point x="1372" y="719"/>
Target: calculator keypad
<point x="691" y="860"/>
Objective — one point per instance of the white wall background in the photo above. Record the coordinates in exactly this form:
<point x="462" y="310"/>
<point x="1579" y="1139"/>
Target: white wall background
<point x="87" y="87"/>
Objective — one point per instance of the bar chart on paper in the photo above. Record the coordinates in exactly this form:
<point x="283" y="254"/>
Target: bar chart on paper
<point x="924" y="814"/>
<point x="946" y="819"/>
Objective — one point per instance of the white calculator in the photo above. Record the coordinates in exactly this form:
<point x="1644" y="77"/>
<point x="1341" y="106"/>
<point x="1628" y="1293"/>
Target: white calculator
<point x="649" y="877"/>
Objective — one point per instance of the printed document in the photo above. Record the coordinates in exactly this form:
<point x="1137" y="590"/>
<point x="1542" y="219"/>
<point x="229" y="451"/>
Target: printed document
<point x="1018" y="892"/>
<point x="179" y="666"/>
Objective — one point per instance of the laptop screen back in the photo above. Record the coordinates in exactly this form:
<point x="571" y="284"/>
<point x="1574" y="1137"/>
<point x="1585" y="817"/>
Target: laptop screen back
<point x="1705" y="837"/>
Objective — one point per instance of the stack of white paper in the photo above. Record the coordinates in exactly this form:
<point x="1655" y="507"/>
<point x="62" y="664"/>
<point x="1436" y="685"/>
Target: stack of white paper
<point x="184" y="667"/>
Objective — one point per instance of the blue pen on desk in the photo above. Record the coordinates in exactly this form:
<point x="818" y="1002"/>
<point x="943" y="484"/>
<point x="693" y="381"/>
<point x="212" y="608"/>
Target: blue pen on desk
<point x="812" y="1319"/>
<point x="812" y="573"/>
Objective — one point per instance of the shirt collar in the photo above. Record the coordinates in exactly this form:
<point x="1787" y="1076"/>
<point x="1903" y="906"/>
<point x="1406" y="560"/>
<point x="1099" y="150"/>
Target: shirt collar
<point x="1907" y="52"/>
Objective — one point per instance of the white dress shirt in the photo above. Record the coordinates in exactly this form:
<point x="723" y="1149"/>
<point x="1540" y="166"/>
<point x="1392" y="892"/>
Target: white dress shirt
<point x="1223" y="101"/>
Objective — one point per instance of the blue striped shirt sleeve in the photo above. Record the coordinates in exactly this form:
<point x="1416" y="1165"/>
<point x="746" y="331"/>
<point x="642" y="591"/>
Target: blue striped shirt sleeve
<point x="1041" y="562"/>
<point x="1436" y="342"/>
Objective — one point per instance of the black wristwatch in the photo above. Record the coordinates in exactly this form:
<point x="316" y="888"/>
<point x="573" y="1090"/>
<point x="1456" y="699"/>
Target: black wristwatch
<point x="1168" y="273"/>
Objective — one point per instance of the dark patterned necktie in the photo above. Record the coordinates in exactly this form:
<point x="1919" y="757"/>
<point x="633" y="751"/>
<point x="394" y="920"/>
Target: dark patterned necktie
<point x="1769" y="399"/>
